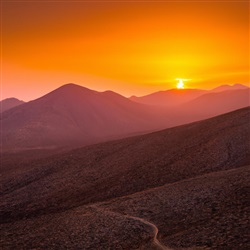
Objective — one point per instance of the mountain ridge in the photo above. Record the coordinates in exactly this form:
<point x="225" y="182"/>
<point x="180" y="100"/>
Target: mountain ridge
<point x="73" y="116"/>
<point x="175" y="97"/>
<point x="225" y="87"/>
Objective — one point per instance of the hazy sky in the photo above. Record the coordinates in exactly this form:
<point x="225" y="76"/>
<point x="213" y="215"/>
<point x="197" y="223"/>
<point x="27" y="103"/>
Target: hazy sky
<point x="131" y="47"/>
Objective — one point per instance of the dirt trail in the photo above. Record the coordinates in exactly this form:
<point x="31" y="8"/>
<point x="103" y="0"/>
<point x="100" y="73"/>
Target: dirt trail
<point x="155" y="242"/>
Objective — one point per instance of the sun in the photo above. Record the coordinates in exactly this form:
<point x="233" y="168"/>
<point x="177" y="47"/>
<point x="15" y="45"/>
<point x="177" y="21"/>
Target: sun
<point x="180" y="84"/>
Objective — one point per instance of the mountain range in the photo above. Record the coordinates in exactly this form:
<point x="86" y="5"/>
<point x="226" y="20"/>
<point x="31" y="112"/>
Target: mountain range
<point x="73" y="115"/>
<point x="144" y="179"/>
<point x="174" y="97"/>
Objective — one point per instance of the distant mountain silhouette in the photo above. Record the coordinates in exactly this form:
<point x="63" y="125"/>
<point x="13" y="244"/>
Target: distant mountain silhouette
<point x="213" y="104"/>
<point x="9" y="103"/>
<point x="170" y="97"/>
<point x="174" y="97"/>
<point x="236" y="86"/>
<point x="188" y="181"/>
<point x="73" y="114"/>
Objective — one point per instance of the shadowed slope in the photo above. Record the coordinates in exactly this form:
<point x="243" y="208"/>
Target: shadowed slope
<point x="117" y="195"/>
<point x="206" y="212"/>
<point x="122" y="167"/>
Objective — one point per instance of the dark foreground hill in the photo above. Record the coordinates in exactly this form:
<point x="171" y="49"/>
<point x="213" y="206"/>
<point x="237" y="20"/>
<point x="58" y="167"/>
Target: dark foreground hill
<point x="207" y="212"/>
<point x="187" y="182"/>
<point x="9" y="103"/>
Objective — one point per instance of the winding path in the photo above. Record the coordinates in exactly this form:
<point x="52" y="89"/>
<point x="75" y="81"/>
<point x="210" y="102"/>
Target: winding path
<point x="156" y="242"/>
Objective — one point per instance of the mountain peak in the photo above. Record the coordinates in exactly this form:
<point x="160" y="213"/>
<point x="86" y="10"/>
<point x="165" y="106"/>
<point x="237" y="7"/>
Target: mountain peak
<point x="71" y="86"/>
<point x="238" y="85"/>
<point x="9" y="103"/>
<point x="69" y="90"/>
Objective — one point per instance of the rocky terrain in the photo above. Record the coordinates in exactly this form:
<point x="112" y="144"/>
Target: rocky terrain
<point x="180" y="188"/>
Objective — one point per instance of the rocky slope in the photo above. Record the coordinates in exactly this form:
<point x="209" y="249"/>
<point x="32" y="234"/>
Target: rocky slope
<point x="71" y="200"/>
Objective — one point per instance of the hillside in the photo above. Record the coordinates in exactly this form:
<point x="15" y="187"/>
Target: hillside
<point x="207" y="212"/>
<point x="51" y="193"/>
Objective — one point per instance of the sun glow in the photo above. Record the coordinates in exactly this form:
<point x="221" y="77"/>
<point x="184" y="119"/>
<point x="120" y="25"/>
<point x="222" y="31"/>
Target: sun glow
<point x="132" y="56"/>
<point x="180" y="84"/>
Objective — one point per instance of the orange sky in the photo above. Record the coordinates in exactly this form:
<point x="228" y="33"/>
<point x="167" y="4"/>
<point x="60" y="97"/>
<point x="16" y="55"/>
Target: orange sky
<point x="131" y="47"/>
